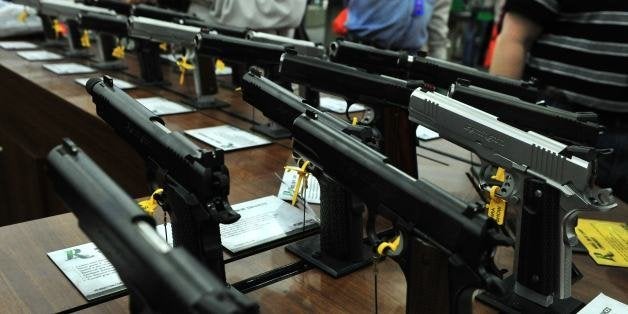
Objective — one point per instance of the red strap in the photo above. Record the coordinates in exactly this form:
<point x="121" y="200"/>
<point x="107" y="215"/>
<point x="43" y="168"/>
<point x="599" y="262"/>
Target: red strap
<point x="338" y="25"/>
<point x="488" y="58"/>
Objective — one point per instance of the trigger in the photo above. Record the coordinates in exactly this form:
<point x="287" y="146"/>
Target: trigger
<point x="570" y="223"/>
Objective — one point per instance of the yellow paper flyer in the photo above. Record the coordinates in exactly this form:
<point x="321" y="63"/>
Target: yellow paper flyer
<point x="606" y="241"/>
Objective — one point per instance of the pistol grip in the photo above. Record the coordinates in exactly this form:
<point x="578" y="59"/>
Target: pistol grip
<point x="193" y="229"/>
<point x="341" y="221"/>
<point x="541" y="253"/>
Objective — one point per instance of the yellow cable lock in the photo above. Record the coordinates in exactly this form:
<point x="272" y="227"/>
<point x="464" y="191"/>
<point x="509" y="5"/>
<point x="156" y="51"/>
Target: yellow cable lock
<point x="118" y="52"/>
<point x="184" y="66"/>
<point x="496" y="208"/>
<point x="220" y="65"/>
<point x="302" y="175"/>
<point x="392" y="245"/>
<point x="56" y="26"/>
<point x="500" y="175"/>
<point x="151" y="204"/>
<point x="23" y="16"/>
<point x="85" y="40"/>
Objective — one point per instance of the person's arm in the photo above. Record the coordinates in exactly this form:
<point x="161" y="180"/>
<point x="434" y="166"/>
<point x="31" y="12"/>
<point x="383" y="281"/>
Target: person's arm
<point x="517" y="36"/>
<point x="438" y="29"/>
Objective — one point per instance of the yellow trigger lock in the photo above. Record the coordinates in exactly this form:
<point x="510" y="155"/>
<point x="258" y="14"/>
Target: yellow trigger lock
<point x="302" y="175"/>
<point x="220" y="65"/>
<point x="391" y="245"/>
<point x="500" y="175"/>
<point x="184" y="66"/>
<point x="56" y="26"/>
<point x="85" y="40"/>
<point x="151" y="204"/>
<point x="496" y="206"/>
<point x="118" y="52"/>
<point x="23" y="16"/>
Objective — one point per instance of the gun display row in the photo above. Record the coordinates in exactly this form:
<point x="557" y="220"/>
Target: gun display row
<point x="61" y="8"/>
<point x="151" y="33"/>
<point x="417" y="208"/>
<point x="548" y="162"/>
<point x="53" y="11"/>
<point x="563" y="125"/>
<point x="167" y="15"/>
<point x="195" y="181"/>
<point x="159" y="278"/>
<point x="262" y="52"/>
<point x="383" y="91"/>
<point x="388" y="96"/>
<point x="141" y="9"/>
<point x="259" y="49"/>
<point x="104" y="19"/>
<point x="148" y="34"/>
<point x="524" y="155"/>
<point x="544" y="179"/>
<point x="434" y="71"/>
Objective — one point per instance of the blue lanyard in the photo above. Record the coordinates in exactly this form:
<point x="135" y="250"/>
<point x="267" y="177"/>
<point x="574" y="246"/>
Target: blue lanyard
<point x="418" y="8"/>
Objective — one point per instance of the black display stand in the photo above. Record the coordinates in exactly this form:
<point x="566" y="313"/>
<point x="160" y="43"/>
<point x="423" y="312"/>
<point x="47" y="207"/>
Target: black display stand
<point x="150" y="63"/>
<point x="339" y="249"/>
<point x="205" y="84"/>
<point x="105" y="44"/>
<point x="51" y="40"/>
<point x="75" y="49"/>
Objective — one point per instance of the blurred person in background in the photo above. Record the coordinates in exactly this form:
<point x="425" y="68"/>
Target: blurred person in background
<point x="275" y="16"/>
<point x="581" y="49"/>
<point x="438" y="30"/>
<point x="410" y="25"/>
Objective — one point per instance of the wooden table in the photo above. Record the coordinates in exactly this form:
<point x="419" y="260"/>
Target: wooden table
<point x="29" y="282"/>
<point x="38" y="109"/>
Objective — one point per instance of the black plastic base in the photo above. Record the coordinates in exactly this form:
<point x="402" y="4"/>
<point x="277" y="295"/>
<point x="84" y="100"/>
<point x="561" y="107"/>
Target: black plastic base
<point x="309" y="250"/>
<point x="54" y="43"/>
<point x="513" y="303"/>
<point x="226" y="83"/>
<point x="270" y="277"/>
<point x="117" y="65"/>
<point x="78" y="54"/>
<point x="206" y="102"/>
<point x="272" y="130"/>
<point x="141" y="82"/>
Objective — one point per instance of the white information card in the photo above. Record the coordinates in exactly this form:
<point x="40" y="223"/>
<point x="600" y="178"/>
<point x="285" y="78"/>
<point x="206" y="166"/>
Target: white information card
<point x="68" y="68"/>
<point x="162" y="106"/>
<point x="263" y="220"/>
<point x="425" y="134"/>
<point x="121" y="84"/>
<point x="338" y="105"/>
<point x="227" y="137"/>
<point x="39" y="55"/>
<point x="89" y="270"/>
<point x="603" y="304"/>
<point x="289" y="181"/>
<point x="16" y="45"/>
